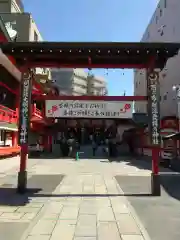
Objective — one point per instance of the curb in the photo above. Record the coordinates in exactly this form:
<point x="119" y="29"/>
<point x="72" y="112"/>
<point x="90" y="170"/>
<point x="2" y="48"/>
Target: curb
<point x="134" y="214"/>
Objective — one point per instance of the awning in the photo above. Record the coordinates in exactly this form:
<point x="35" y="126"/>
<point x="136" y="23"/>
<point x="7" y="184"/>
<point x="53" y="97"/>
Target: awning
<point x="8" y="126"/>
<point x="9" y="66"/>
<point x="172" y="136"/>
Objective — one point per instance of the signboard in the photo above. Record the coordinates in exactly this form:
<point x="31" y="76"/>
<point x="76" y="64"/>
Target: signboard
<point x="154" y="106"/>
<point x="88" y="109"/>
<point x="169" y="146"/>
<point x="25" y="108"/>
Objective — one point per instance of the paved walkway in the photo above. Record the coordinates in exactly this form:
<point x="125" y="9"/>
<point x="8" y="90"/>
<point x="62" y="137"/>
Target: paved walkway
<point x="72" y="201"/>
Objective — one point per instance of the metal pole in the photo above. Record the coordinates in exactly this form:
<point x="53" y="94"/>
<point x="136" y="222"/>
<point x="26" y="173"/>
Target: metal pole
<point x="178" y="117"/>
<point x="178" y="103"/>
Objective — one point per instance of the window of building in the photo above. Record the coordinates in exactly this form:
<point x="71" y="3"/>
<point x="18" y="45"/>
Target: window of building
<point x="136" y="84"/>
<point x="174" y="30"/>
<point x="165" y="97"/>
<point x="160" y="12"/>
<point x="161" y="30"/>
<point x="165" y="3"/>
<point x="148" y="35"/>
<point x="80" y="85"/>
<point x="156" y="19"/>
<point x="35" y="36"/>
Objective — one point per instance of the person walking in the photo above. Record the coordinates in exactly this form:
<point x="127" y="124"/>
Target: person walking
<point x="72" y="145"/>
<point x="64" y="147"/>
<point x="94" y="144"/>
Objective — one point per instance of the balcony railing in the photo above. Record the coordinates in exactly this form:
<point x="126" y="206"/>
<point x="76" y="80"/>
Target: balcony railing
<point x="8" y="115"/>
<point x="20" y="4"/>
<point x="36" y="112"/>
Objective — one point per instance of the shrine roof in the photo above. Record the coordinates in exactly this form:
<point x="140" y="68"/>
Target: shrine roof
<point x="91" y="54"/>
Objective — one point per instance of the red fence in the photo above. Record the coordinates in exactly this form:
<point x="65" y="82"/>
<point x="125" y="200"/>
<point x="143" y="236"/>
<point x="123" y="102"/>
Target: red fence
<point x="7" y="151"/>
<point x="36" y="112"/>
<point x="11" y="116"/>
<point x="8" y="115"/>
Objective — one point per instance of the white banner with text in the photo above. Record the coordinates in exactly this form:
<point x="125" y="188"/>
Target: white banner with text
<point x="88" y="109"/>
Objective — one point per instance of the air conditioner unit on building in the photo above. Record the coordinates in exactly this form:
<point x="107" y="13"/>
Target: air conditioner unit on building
<point x="12" y="33"/>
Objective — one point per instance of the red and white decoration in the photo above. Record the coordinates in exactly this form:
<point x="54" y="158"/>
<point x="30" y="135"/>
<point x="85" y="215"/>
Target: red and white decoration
<point x="88" y="109"/>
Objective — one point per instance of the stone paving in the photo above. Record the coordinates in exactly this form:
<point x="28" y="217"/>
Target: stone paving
<point x="86" y="205"/>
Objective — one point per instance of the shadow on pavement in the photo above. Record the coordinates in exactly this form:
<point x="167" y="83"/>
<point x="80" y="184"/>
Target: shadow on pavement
<point x="159" y="215"/>
<point x="85" y="152"/>
<point x="170" y="184"/>
<point x="139" y="162"/>
<point x="169" y="179"/>
<point x="10" y="197"/>
<point x="37" y="184"/>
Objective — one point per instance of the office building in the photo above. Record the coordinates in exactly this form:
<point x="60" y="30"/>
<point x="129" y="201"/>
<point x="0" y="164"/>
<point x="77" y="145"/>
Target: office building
<point x="20" y="25"/>
<point x="163" y="27"/>
<point x="78" y="82"/>
<point x="96" y="85"/>
<point x="24" y="24"/>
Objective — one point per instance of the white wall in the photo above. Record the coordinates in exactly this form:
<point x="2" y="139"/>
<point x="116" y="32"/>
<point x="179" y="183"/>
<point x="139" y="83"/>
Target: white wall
<point x="163" y="27"/>
<point x="32" y="30"/>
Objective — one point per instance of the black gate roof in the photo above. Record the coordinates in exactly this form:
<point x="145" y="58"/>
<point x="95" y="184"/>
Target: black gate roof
<point x="91" y="54"/>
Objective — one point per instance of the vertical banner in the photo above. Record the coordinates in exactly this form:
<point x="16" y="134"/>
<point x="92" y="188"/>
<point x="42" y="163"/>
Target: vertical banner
<point x="154" y="106"/>
<point x="178" y="106"/>
<point x="25" y="105"/>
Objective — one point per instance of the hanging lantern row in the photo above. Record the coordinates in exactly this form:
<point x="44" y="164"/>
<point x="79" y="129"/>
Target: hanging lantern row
<point x="88" y="50"/>
<point x="163" y="74"/>
<point x="107" y="72"/>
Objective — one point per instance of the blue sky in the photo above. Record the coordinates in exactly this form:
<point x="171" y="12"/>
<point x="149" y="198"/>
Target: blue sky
<point x="95" y="20"/>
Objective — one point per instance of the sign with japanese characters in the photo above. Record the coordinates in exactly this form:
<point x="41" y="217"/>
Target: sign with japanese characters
<point x="88" y="109"/>
<point x="154" y="106"/>
<point x="25" y="108"/>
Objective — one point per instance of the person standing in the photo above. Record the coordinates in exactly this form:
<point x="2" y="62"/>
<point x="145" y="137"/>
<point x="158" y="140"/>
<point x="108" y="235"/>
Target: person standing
<point x="94" y="143"/>
<point x="64" y="146"/>
<point x="94" y="146"/>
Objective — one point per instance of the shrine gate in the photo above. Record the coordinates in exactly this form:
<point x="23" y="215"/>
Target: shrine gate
<point x="151" y="56"/>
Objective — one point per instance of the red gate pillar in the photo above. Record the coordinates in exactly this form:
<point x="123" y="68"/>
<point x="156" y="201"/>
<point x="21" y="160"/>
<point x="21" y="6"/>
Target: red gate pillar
<point x="24" y="122"/>
<point x="154" y="127"/>
<point x="14" y="139"/>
